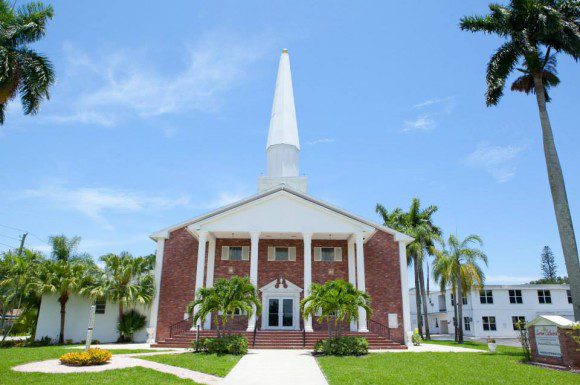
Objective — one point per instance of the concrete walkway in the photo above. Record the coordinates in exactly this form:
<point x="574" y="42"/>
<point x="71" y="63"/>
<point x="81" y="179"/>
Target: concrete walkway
<point x="432" y="348"/>
<point x="280" y="367"/>
<point x="121" y="361"/>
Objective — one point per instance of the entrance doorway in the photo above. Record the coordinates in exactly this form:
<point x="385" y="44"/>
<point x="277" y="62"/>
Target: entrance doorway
<point x="281" y="313"/>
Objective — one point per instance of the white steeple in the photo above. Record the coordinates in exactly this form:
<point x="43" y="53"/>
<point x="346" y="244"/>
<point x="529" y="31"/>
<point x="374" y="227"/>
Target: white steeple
<point x="283" y="146"/>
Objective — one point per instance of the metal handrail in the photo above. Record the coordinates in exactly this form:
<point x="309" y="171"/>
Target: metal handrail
<point x="255" y="331"/>
<point x="380" y="329"/>
<point x="180" y="327"/>
<point x="304" y="337"/>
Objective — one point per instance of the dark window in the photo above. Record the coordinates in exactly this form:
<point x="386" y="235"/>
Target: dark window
<point x="100" y="306"/>
<point x="467" y="323"/>
<point x="488" y="323"/>
<point x="464" y="299"/>
<point x="516" y="320"/>
<point x="515" y="296"/>
<point x="327" y="254"/>
<point x="282" y="254"/>
<point x="235" y="253"/>
<point x="544" y="296"/>
<point x="486" y="296"/>
<point x="569" y="294"/>
<point x="452" y="300"/>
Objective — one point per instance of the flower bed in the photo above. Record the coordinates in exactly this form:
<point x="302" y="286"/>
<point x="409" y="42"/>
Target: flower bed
<point x="86" y="358"/>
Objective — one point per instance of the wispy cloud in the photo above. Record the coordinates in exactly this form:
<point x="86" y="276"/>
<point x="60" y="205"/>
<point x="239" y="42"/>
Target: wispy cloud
<point x="431" y="112"/>
<point x="499" y="161"/>
<point x="107" y="87"/>
<point x="225" y="198"/>
<point x="421" y="123"/>
<point x="320" y="141"/>
<point x="96" y="202"/>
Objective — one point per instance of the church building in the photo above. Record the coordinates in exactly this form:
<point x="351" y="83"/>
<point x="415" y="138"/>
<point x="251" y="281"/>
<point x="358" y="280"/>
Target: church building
<point x="284" y="240"/>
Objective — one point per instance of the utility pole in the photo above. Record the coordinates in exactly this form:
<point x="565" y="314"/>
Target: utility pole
<point x="22" y="239"/>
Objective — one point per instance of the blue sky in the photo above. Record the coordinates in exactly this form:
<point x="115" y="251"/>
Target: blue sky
<point x="161" y="113"/>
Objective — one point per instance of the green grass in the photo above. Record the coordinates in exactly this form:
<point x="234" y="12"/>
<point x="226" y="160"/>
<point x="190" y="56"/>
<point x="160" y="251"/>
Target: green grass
<point x="466" y="344"/>
<point x="206" y="363"/>
<point x="504" y="367"/>
<point x="132" y="376"/>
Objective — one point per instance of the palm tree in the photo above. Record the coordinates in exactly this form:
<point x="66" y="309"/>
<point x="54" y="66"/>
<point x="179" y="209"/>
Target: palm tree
<point x="63" y="247"/>
<point x="444" y="272"/>
<point x="65" y="278"/>
<point x="336" y="300"/>
<point x="24" y="71"/>
<point x="534" y="29"/>
<point x="126" y="280"/>
<point x="417" y="223"/>
<point x="228" y="297"/>
<point x="457" y="262"/>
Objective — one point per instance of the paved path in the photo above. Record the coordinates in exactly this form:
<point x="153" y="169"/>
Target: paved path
<point x="280" y="367"/>
<point x="423" y="348"/>
<point x="121" y="361"/>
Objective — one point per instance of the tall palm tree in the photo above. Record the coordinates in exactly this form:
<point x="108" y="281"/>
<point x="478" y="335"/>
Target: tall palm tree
<point x="445" y="273"/>
<point x="534" y="30"/>
<point x="336" y="300"/>
<point x="126" y="280"/>
<point x="64" y="248"/>
<point x="417" y="223"/>
<point x="228" y="297"/>
<point x="23" y="71"/>
<point x="459" y="263"/>
<point x="65" y="278"/>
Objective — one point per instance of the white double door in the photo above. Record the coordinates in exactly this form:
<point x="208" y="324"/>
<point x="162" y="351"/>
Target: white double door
<point x="281" y="313"/>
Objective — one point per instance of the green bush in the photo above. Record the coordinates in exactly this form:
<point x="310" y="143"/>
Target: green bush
<point x="416" y="338"/>
<point x="86" y="358"/>
<point x="234" y="344"/>
<point x="133" y="321"/>
<point x="342" y="346"/>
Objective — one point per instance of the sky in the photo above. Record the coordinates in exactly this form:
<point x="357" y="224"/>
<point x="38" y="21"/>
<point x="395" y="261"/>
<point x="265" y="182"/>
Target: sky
<point x="160" y="113"/>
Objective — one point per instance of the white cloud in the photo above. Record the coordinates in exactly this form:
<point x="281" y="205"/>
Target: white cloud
<point x="320" y="141"/>
<point x="430" y="102"/>
<point x="498" y="161"/>
<point x="225" y="198"/>
<point x="95" y="202"/>
<point x="107" y="87"/>
<point x="422" y="123"/>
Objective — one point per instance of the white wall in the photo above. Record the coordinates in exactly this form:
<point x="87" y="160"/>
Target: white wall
<point x="77" y="318"/>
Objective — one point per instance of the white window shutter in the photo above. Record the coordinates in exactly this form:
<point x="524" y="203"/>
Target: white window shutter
<point x="225" y="253"/>
<point x="338" y="254"/>
<point x="245" y="253"/>
<point x="271" y="253"/>
<point x="291" y="253"/>
<point x="318" y="253"/>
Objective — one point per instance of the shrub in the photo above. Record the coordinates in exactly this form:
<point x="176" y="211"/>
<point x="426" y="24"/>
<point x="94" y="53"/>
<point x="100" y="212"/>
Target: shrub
<point x="342" y="346"/>
<point x="133" y="321"/>
<point x="416" y="338"/>
<point x="234" y="344"/>
<point x="86" y="358"/>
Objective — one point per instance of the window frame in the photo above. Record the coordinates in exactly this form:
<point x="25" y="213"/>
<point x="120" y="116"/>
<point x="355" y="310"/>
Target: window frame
<point x="100" y="306"/>
<point x="467" y="324"/>
<point x="488" y="295"/>
<point x="569" y="295"/>
<point x="545" y="297"/>
<point x="328" y="249"/>
<point x="518" y="299"/>
<point x="231" y="248"/>
<point x="276" y="248"/>
<point x="517" y="318"/>
<point x="491" y="326"/>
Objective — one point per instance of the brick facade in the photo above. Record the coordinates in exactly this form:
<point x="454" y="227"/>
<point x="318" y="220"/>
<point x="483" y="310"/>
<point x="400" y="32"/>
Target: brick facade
<point x="383" y="281"/>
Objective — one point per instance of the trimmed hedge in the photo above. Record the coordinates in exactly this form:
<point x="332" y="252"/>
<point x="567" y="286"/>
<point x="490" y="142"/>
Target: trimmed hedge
<point x="234" y="344"/>
<point x="86" y="358"/>
<point x="342" y="346"/>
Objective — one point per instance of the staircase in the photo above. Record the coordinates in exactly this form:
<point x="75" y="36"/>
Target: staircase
<point x="269" y="339"/>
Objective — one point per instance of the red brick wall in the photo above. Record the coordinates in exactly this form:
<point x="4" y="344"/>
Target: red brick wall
<point x="570" y="349"/>
<point x="177" y="279"/>
<point x="180" y="260"/>
<point x="383" y="280"/>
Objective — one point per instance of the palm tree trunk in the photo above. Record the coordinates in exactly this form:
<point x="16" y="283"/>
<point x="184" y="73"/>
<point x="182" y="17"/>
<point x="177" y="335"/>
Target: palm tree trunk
<point x="459" y="302"/>
<point x="424" y="302"/>
<point x="62" y="299"/>
<point x="121" y="336"/>
<point x="559" y="198"/>
<point x="456" y="336"/>
<point x="418" y="298"/>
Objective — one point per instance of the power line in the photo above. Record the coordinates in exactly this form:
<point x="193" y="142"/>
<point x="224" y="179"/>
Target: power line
<point x="8" y="236"/>
<point x="24" y="231"/>
<point x="12" y="247"/>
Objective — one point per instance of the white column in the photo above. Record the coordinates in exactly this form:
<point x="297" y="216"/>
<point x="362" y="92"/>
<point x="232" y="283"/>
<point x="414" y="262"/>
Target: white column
<point x="255" y="241"/>
<point x="307" y="274"/>
<point x="152" y="329"/>
<point x="210" y="272"/>
<point x="199" y="273"/>
<point x="360" y="279"/>
<point x="405" y="293"/>
<point x="351" y="273"/>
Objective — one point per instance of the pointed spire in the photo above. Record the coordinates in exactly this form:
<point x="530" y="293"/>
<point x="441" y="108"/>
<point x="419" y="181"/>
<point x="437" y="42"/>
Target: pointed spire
<point x="283" y="126"/>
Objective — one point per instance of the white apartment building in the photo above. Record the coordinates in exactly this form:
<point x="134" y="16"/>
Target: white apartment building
<point x="494" y="310"/>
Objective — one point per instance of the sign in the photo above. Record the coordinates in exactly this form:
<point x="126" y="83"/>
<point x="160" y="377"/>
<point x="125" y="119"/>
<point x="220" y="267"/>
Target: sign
<point x="90" y="327"/>
<point x="547" y="341"/>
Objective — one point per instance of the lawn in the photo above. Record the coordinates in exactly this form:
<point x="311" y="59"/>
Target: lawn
<point x="132" y="376"/>
<point x="207" y="363"/>
<point x="504" y="367"/>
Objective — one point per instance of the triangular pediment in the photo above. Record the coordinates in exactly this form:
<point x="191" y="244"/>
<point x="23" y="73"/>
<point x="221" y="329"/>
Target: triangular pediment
<point x="281" y="285"/>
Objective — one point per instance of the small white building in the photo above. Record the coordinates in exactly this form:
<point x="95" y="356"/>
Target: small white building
<point x="494" y="310"/>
